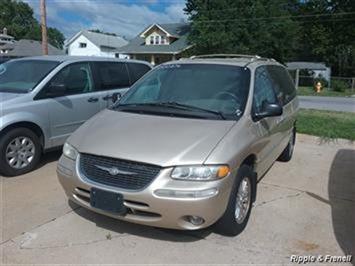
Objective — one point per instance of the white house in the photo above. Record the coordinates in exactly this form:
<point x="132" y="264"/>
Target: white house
<point x="88" y="43"/>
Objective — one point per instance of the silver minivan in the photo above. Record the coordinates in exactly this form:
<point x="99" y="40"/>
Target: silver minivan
<point x="44" y="99"/>
<point x="185" y="147"/>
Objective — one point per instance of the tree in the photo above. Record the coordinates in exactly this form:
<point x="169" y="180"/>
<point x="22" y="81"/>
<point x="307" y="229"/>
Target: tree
<point x="243" y="26"/>
<point x="328" y="34"/>
<point x="19" y="19"/>
<point x="308" y="30"/>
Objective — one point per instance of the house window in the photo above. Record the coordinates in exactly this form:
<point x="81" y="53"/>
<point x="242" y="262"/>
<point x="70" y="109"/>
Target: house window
<point x="151" y="39"/>
<point x="162" y="39"/>
<point x="157" y="39"/>
<point x="82" y="45"/>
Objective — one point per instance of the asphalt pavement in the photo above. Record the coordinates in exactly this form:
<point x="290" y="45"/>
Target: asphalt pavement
<point x="343" y="104"/>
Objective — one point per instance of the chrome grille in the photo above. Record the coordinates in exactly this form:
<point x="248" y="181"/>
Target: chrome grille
<point x="92" y="168"/>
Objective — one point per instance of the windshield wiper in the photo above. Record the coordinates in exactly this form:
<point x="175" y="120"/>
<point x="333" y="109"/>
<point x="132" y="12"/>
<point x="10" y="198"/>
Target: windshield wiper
<point x="192" y="107"/>
<point x="173" y="104"/>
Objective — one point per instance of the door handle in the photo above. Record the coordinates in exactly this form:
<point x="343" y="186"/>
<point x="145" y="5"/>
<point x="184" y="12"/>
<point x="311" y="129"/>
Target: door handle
<point x="93" y="100"/>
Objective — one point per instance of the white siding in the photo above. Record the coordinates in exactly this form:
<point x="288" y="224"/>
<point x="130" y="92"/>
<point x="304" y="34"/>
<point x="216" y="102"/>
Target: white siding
<point x="155" y="33"/>
<point x="90" y="50"/>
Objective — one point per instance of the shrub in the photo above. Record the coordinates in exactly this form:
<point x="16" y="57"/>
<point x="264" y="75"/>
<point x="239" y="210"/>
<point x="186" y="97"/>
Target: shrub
<point x="339" y="85"/>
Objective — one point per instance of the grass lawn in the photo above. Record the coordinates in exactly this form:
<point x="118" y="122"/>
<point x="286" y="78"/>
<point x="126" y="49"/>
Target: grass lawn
<point x="309" y="91"/>
<point x="326" y="124"/>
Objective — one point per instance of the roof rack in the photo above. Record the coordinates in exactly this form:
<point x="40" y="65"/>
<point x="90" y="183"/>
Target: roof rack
<point x="251" y="57"/>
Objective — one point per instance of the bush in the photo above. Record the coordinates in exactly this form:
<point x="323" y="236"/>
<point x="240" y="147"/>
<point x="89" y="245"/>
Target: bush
<point x="339" y="85"/>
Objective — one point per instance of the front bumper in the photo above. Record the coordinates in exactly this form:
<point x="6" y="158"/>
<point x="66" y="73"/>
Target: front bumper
<point x="145" y="207"/>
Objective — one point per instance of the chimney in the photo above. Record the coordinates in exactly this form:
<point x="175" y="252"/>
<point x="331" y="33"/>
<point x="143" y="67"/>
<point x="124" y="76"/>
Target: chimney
<point x="4" y="31"/>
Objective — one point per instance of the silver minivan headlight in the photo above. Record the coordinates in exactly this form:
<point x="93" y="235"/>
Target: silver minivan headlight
<point x="200" y="173"/>
<point x="70" y="152"/>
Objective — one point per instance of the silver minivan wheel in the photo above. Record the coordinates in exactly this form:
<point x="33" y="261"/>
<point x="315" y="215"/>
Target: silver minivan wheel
<point x="243" y="200"/>
<point x="20" y="152"/>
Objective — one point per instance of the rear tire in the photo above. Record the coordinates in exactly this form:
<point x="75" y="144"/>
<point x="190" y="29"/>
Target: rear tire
<point x="20" y="151"/>
<point x="233" y="221"/>
<point x="287" y="153"/>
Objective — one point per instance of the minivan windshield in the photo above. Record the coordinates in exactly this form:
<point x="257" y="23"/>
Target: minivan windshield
<point x="215" y="90"/>
<point x="21" y="76"/>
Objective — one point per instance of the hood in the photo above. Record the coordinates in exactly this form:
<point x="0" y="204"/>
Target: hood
<point x="158" y="140"/>
<point x="5" y="96"/>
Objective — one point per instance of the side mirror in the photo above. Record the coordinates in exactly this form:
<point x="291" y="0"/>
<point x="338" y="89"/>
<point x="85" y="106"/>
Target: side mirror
<point x="116" y="96"/>
<point x="269" y="110"/>
<point x="55" y="90"/>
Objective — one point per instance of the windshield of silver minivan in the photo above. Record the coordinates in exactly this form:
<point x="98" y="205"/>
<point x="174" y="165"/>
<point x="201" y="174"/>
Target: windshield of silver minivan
<point x="23" y="75"/>
<point x="222" y="89"/>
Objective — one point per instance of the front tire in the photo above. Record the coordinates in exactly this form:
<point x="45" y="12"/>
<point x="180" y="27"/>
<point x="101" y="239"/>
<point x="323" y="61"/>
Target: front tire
<point x="20" y="151"/>
<point x="236" y="216"/>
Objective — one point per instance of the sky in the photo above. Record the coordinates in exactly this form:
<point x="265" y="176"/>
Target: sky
<point x="123" y="17"/>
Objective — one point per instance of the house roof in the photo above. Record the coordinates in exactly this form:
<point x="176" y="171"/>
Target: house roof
<point x="100" y="39"/>
<point x="25" y="47"/>
<point x="179" y="30"/>
<point x="306" y="65"/>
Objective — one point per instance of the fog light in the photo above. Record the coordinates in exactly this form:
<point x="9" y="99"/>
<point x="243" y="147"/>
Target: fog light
<point x="195" y="220"/>
<point x="168" y="193"/>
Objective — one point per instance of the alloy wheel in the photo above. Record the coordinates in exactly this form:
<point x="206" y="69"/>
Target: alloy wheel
<point x="20" y="152"/>
<point x="243" y="200"/>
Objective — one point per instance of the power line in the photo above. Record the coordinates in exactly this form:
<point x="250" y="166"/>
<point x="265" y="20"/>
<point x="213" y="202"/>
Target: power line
<point x="313" y="21"/>
<point x="277" y="17"/>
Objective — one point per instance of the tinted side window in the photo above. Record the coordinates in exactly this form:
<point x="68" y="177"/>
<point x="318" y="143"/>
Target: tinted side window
<point x="76" y="78"/>
<point x="283" y="84"/>
<point x="112" y="75"/>
<point x="136" y="71"/>
<point x="263" y="90"/>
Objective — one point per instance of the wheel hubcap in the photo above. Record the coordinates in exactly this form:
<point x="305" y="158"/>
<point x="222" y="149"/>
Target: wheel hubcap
<point x="243" y="200"/>
<point x="20" y="152"/>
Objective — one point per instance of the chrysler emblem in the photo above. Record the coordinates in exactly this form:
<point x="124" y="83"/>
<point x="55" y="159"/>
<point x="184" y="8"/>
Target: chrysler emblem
<point x="114" y="170"/>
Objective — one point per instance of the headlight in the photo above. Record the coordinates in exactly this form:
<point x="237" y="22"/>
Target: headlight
<point x="69" y="151"/>
<point x="200" y="173"/>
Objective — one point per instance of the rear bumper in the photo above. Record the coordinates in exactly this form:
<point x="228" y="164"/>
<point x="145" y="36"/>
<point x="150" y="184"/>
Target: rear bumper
<point x="145" y="207"/>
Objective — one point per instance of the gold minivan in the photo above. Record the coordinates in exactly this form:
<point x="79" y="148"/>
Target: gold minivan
<point x="185" y="146"/>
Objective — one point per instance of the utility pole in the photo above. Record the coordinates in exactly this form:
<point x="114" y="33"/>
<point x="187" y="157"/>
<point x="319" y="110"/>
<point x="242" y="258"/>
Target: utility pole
<point x="44" y="27"/>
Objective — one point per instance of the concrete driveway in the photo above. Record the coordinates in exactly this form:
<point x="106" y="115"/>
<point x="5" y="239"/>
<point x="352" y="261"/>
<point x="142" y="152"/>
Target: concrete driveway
<point x="305" y="207"/>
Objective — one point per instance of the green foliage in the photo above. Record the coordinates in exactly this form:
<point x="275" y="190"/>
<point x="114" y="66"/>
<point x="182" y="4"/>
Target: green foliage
<point x="339" y="85"/>
<point x="239" y="26"/>
<point x="329" y="36"/>
<point x="312" y="30"/>
<point x="19" y="19"/>
<point x="326" y="124"/>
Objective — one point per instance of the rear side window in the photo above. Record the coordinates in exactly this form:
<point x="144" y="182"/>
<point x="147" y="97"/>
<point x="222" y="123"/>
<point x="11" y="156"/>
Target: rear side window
<point x="282" y="84"/>
<point x="112" y="75"/>
<point x="136" y="71"/>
